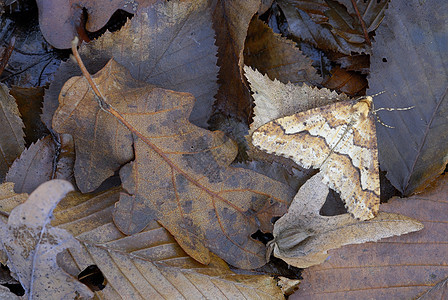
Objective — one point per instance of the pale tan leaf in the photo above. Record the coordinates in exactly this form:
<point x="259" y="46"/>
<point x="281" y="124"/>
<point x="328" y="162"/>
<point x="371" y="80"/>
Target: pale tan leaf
<point x="274" y="99"/>
<point x="302" y="237"/>
<point x="150" y="264"/>
<point x="11" y="133"/>
<point x="32" y="245"/>
<point x="9" y="199"/>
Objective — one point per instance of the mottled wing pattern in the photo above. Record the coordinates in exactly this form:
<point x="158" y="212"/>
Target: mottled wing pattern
<point x="340" y="139"/>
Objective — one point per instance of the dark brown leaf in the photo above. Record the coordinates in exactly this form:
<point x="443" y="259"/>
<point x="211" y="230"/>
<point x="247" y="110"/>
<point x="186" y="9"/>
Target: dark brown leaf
<point x="412" y="70"/>
<point x="329" y="25"/>
<point x="231" y="20"/>
<point x="274" y="55"/>
<point x="29" y="101"/>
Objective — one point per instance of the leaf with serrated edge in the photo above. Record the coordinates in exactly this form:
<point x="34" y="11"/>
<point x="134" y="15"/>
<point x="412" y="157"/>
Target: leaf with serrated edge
<point x="11" y="133"/>
<point x="34" y="166"/>
<point x="302" y="237"/>
<point x="180" y="175"/>
<point x="277" y="56"/>
<point x="412" y="70"/>
<point x="32" y="245"/>
<point x="274" y="99"/>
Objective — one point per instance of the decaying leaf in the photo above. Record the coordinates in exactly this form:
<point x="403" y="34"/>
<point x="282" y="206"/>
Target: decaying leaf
<point x="401" y="267"/>
<point x="32" y="245"/>
<point x="274" y="99"/>
<point x="302" y="237"/>
<point x="180" y="175"/>
<point x="66" y="17"/>
<point x="231" y="20"/>
<point x="169" y="44"/>
<point x="34" y="167"/>
<point x="41" y="162"/>
<point x="147" y="265"/>
<point x="277" y="56"/>
<point x="11" y="133"/>
<point x="410" y="63"/>
<point x="329" y="25"/>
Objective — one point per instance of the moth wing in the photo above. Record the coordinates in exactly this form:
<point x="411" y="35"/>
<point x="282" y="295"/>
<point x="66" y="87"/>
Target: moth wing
<point x="346" y="154"/>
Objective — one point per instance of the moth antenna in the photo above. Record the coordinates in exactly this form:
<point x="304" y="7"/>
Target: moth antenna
<point x="382" y="92"/>
<point x="374" y="111"/>
<point x="379" y="120"/>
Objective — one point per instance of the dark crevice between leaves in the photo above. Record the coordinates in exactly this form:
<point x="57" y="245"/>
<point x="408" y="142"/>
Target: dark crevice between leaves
<point x="115" y="23"/>
<point x="7" y="281"/>
<point x="20" y="22"/>
<point x="93" y="278"/>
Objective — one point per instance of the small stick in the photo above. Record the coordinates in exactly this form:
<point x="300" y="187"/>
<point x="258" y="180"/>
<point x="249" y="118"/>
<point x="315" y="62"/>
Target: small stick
<point x="363" y="24"/>
<point x="7" y="54"/>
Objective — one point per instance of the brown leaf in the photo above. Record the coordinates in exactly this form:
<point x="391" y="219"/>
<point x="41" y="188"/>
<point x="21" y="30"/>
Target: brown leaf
<point x="32" y="245"/>
<point x="11" y="135"/>
<point x="349" y="82"/>
<point x="231" y="20"/>
<point x="180" y="175"/>
<point x="439" y="291"/>
<point x="415" y="152"/>
<point x="302" y="237"/>
<point x="169" y="44"/>
<point x="396" y="268"/>
<point x="29" y="102"/>
<point x="60" y="21"/>
<point x="329" y="25"/>
<point x="277" y="56"/>
<point x="149" y="264"/>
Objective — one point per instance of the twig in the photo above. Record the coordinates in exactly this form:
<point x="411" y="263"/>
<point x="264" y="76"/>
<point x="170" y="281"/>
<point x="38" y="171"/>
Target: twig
<point x="363" y="24"/>
<point x="7" y="54"/>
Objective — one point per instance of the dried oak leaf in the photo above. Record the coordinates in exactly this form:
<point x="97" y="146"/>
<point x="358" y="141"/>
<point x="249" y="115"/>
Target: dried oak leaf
<point x="168" y="44"/>
<point x="302" y="236"/>
<point x="180" y="175"/>
<point x="41" y="162"/>
<point x="401" y="267"/>
<point x="147" y="265"/>
<point x="330" y="25"/>
<point x="60" y="21"/>
<point x="11" y="135"/>
<point x="277" y="56"/>
<point x="412" y="70"/>
<point x="32" y="244"/>
<point x="231" y="20"/>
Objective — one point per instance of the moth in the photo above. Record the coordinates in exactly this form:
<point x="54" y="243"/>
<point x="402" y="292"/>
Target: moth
<point x="340" y="140"/>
